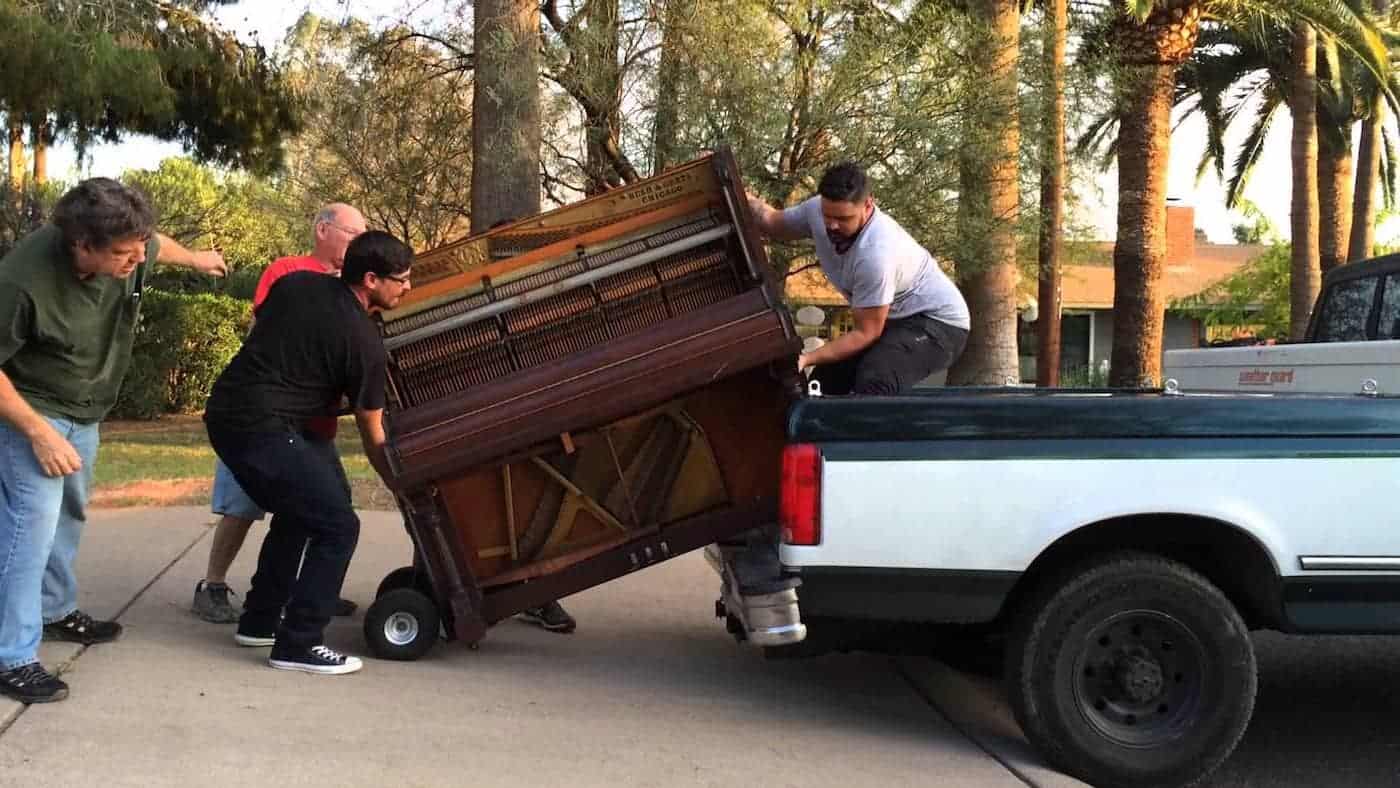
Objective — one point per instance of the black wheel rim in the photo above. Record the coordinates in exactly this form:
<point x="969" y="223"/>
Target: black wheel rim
<point x="1139" y="678"/>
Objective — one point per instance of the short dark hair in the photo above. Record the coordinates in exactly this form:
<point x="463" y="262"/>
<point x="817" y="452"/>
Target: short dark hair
<point x="99" y="211"/>
<point x="845" y="182"/>
<point x="377" y="251"/>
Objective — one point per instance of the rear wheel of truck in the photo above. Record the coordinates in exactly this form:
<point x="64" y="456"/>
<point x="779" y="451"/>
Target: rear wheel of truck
<point x="1132" y="670"/>
<point x="402" y="624"/>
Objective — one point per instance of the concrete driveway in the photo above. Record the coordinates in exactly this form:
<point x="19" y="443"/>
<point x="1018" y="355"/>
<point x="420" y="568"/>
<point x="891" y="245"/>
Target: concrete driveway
<point x="649" y="691"/>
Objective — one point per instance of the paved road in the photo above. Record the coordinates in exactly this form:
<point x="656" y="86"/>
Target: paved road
<point x="648" y="692"/>
<point x="1328" y="714"/>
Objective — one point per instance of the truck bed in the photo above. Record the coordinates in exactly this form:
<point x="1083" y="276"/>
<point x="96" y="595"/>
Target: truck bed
<point x="933" y="506"/>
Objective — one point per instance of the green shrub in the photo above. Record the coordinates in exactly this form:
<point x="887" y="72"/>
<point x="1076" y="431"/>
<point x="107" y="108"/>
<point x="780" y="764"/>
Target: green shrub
<point x="23" y="214"/>
<point x="1084" y="377"/>
<point x="182" y="344"/>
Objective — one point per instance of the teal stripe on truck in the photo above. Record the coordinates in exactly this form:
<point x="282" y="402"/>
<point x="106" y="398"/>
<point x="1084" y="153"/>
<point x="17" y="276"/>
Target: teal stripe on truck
<point x="1114" y="449"/>
<point x="953" y="415"/>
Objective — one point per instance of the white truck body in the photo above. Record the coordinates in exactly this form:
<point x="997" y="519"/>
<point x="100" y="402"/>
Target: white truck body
<point x="1000" y="515"/>
<point x="1119" y="544"/>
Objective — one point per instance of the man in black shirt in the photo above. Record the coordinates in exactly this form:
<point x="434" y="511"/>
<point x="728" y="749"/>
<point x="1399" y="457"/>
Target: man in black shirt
<point x="312" y="344"/>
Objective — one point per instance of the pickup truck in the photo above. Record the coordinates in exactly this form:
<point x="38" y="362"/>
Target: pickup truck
<point x="1352" y="343"/>
<point x="1123" y="543"/>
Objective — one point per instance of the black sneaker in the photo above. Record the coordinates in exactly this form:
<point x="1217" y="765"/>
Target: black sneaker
<point x="344" y="607"/>
<point x="79" y="627"/>
<point x="317" y="659"/>
<point x="551" y="617"/>
<point x="32" y="684"/>
<point x="211" y="603"/>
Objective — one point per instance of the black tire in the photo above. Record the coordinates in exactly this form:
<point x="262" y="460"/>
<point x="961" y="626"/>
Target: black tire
<point x="404" y="577"/>
<point x="402" y="624"/>
<point x="1131" y="670"/>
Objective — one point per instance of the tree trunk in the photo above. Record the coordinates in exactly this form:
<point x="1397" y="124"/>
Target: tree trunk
<point x="43" y="139"/>
<point x="1139" y="254"/>
<point x="1305" y="270"/>
<point x="505" y="112"/>
<point x="1368" y="174"/>
<point x="667" y="119"/>
<point x="796" y="152"/>
<point x="1052" y="186"/>
<point x="1333" y="201"/>
<point x="16" y="179"/>
<point x="603" y="78"/>
<point x="988" y="204"/>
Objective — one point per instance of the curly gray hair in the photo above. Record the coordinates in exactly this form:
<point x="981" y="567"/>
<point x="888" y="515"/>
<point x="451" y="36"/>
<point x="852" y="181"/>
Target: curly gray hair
<point x="99" y="211"/>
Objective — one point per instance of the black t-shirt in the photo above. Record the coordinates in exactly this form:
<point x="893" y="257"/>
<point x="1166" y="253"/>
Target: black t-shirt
<point x="312" y="343"/>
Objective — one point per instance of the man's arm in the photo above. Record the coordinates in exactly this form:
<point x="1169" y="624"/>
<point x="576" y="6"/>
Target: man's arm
<point x="371" y="424"/>
<point x="870" y="324"/>
<point x="771" y="221"/>
<point x="55" y="454"/>
<point x="171" y="252"/>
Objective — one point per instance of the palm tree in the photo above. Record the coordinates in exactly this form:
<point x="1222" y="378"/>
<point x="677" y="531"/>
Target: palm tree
<point x="1149" y="40"/>
<point x="1233" y="74"/>
<point x="1306" y="278"/>
<point x="989" y="201"/>
<point x="1336" y="116"/>
<point x="1052" y="197"/>
<point x="1370" y="166"/>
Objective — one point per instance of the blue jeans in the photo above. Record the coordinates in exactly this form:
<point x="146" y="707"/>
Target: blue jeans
<point x="229" y="498"/>
<point x="41" y="522"/>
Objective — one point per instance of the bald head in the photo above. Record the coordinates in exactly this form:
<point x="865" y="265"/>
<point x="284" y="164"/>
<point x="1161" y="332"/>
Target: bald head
<point x="335" y="226"/>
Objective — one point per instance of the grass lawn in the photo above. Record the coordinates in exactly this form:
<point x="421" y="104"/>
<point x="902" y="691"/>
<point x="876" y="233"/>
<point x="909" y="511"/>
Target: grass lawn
<point x="169" y="462"/>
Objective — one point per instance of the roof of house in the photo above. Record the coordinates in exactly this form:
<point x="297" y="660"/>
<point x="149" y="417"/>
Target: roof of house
<point x="1086" y="285"/>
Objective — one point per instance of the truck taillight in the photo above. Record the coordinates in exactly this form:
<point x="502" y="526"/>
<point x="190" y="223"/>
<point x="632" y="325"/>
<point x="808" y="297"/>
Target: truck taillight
<point x="799" y="511"/>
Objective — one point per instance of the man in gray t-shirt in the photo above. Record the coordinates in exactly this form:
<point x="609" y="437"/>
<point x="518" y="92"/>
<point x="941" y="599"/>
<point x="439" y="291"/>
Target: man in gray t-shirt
<point x="910" y="319"/>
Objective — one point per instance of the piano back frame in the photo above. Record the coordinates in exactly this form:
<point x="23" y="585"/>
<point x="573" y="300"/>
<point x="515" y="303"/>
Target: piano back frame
<point x="732" y="361"/>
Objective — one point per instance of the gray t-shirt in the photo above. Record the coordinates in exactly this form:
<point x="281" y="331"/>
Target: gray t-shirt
<point x="885" y="266"/>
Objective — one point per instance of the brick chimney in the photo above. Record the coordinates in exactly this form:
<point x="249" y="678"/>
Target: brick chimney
<point x="1181" y="234"/>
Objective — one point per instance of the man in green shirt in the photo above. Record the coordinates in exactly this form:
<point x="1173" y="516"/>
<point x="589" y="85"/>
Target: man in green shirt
<point x="70" y="293"/>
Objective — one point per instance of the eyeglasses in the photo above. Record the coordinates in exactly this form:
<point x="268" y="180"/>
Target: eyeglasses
<point x="403" y="280"/>
<point x="347" y="230"/>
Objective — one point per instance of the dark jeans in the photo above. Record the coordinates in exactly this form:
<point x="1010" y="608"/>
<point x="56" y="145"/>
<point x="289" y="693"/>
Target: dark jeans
<point x="909" y="350"/>
<point x="301" y="482"/>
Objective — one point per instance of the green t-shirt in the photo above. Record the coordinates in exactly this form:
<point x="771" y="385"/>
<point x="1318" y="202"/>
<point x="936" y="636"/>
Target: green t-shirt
<point x="65" y="342"/>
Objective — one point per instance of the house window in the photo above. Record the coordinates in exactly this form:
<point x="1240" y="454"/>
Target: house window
<point x="1345" y="310"/>
<point x="1074" y="344"/>
<point x="1074" y="341"/>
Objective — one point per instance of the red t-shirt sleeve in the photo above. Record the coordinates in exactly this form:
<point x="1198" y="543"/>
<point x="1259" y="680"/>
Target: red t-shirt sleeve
<point x="265" y="282"/>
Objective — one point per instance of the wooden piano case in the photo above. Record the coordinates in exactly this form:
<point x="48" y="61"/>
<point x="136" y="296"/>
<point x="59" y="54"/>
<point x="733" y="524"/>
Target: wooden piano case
<point x="580" y="395"/>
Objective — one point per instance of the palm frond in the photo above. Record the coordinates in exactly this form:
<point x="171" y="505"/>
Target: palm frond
<point x="1252" y="149"/>
<point x="1348" y="22"/>
<point x="1100" y="136"/>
